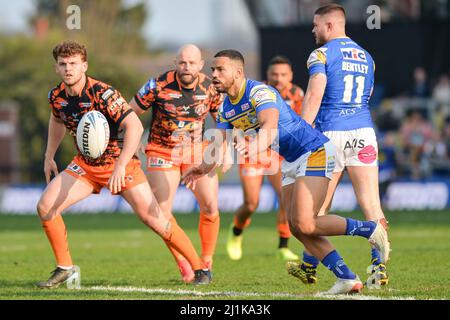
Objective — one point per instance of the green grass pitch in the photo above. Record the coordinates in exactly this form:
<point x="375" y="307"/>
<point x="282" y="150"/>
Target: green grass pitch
<point x="121" y="259"/>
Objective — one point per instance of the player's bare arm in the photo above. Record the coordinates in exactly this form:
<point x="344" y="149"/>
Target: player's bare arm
<point x="213" y="156"/>
<point x="133" y="130"/>
<point x="56" y="132"/>
<point x="313" y="97"/>
<point x="268" y="119"/>
<point x="133" y="104"/>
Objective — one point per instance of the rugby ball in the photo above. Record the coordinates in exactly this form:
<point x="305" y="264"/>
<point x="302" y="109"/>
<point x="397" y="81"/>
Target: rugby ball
<point x="92" y="134"/>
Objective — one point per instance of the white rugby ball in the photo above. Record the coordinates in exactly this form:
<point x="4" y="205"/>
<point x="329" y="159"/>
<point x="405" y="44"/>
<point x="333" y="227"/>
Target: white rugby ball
<point x="93" y="134"/>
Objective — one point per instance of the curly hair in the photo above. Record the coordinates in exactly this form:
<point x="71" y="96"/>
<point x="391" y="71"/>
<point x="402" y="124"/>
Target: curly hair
<point x="70" y="48"/>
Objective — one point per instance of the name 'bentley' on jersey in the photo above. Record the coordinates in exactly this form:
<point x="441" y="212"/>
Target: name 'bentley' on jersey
<point x="350" y="77"/>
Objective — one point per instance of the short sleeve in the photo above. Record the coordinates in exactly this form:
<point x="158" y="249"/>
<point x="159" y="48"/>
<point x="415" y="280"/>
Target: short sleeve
<point x="114" y="105"/>
<point x="261" y="97"/>
<point x="51" y="100"/>
<point x="147" y="94"/>
<point x="317" y="61"/>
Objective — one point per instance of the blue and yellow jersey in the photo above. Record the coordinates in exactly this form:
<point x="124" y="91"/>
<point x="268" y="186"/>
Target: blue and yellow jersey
<point x="350" y="76"/>
<point x="295" y="136"/>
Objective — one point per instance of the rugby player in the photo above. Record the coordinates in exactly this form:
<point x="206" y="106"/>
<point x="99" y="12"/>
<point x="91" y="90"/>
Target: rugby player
<point x="180" y="100"/>
<point x="279" y="76"/>
<point x="118" y="168"/>
<point x="337" y="101"/>
<point x="307" y="166"/>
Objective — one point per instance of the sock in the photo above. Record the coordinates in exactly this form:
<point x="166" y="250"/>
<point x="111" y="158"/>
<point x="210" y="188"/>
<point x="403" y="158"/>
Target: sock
<point x="57" y="235"/>
<point x="335" y="263"/>
<point x="283" y="230"/>
<point x="360" y="228"/>
<point x="376" y="259"/>
<point x="208" y="228"/>
<point x="177" y="256"/>
<point x="283" y="243"/>
<point x="237" y="232"/>
<point x="310" y="260"/>
<point x="179" y="241"/>
<point x="239" y="227"/>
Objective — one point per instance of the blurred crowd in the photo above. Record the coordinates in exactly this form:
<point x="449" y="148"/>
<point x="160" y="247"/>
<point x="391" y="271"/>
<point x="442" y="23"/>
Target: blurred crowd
<point x="414" y="129"/>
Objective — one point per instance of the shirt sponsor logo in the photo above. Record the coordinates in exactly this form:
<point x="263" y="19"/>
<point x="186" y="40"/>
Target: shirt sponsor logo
<point x="85" y="105"/>
<point x="230" y="113"/>
<point x="155" y="162"/>
<point x="175" y="95"/>
<point x="107" y="94"/>
<point x="76" y="169"/>
<point x="353" y="54"/>
<point x="245" y="106"/>
<point x="117" y="104"/>
<point x="200" y="97"/>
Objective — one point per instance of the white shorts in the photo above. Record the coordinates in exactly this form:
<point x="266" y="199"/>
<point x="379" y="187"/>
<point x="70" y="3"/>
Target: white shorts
<point x="354" y="148"/>
<point x="319" y="163"/>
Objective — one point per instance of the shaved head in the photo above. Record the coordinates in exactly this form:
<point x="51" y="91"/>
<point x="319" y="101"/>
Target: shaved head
<point x="188" y="64"/>
<point x="329" y="23"/>
<point x="190" y="50"/>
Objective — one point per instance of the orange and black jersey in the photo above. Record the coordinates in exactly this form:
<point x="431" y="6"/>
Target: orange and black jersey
<point x="178" y="114"/>
<point x="293" y="95"/>
<point x="98" y="96"/>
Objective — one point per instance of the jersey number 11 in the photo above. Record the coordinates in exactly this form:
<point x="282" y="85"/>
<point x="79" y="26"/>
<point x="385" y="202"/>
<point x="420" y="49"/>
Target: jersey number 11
<point x="349" y="81"/>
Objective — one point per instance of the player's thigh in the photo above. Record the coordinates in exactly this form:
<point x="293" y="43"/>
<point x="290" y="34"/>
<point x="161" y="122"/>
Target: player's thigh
<point x="287" y="192"/>
<point x="308" y="196"/>
<point x="62" y="192"/>
<point x="164" y="185"/>
<point x="144" y="203"/>
<point x="365" y="183"/>
<point x="206" y="192"/>
<point x="275" y="181"/>
<point x="334" y="182"/>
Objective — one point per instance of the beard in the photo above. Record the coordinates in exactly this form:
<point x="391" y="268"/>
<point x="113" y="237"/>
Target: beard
<point x="221" y="87"/>
<point x="187" y="79"/>
<point x="319" y="41"/>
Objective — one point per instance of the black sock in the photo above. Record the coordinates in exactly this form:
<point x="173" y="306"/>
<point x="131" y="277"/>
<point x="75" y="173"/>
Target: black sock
<point x="237" y="231"/>
<point x="283" y="242"/>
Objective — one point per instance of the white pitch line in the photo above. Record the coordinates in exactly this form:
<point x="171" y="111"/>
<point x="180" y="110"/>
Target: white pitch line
<point x="181" y="292"/>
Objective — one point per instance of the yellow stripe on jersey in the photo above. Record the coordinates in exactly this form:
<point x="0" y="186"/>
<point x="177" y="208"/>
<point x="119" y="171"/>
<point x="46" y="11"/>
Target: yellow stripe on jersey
<point x="246" y="122"/>
<point x="241" y="93"/>
<point x="317" y="56"/>
<point x="262" y="95"/>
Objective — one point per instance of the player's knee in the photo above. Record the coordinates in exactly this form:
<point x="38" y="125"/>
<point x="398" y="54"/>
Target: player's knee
<point x="44" y="210"/>
<point x="251" y="205"/>
<point x="306" y="227"/>
<point x="46" y="214"/>
<point x="210" y="209"/>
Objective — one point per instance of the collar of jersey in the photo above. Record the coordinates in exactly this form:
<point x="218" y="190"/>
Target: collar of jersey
<point x="241" y="93"/>
<point x="340" y="38"/>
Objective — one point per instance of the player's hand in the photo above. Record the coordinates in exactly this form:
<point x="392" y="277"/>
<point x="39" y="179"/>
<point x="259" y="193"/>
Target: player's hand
<point x="117" y="179"/>
<point x="189" y="179"/>
<point x="49" y="168"/>
<point x="241" y="148"/>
